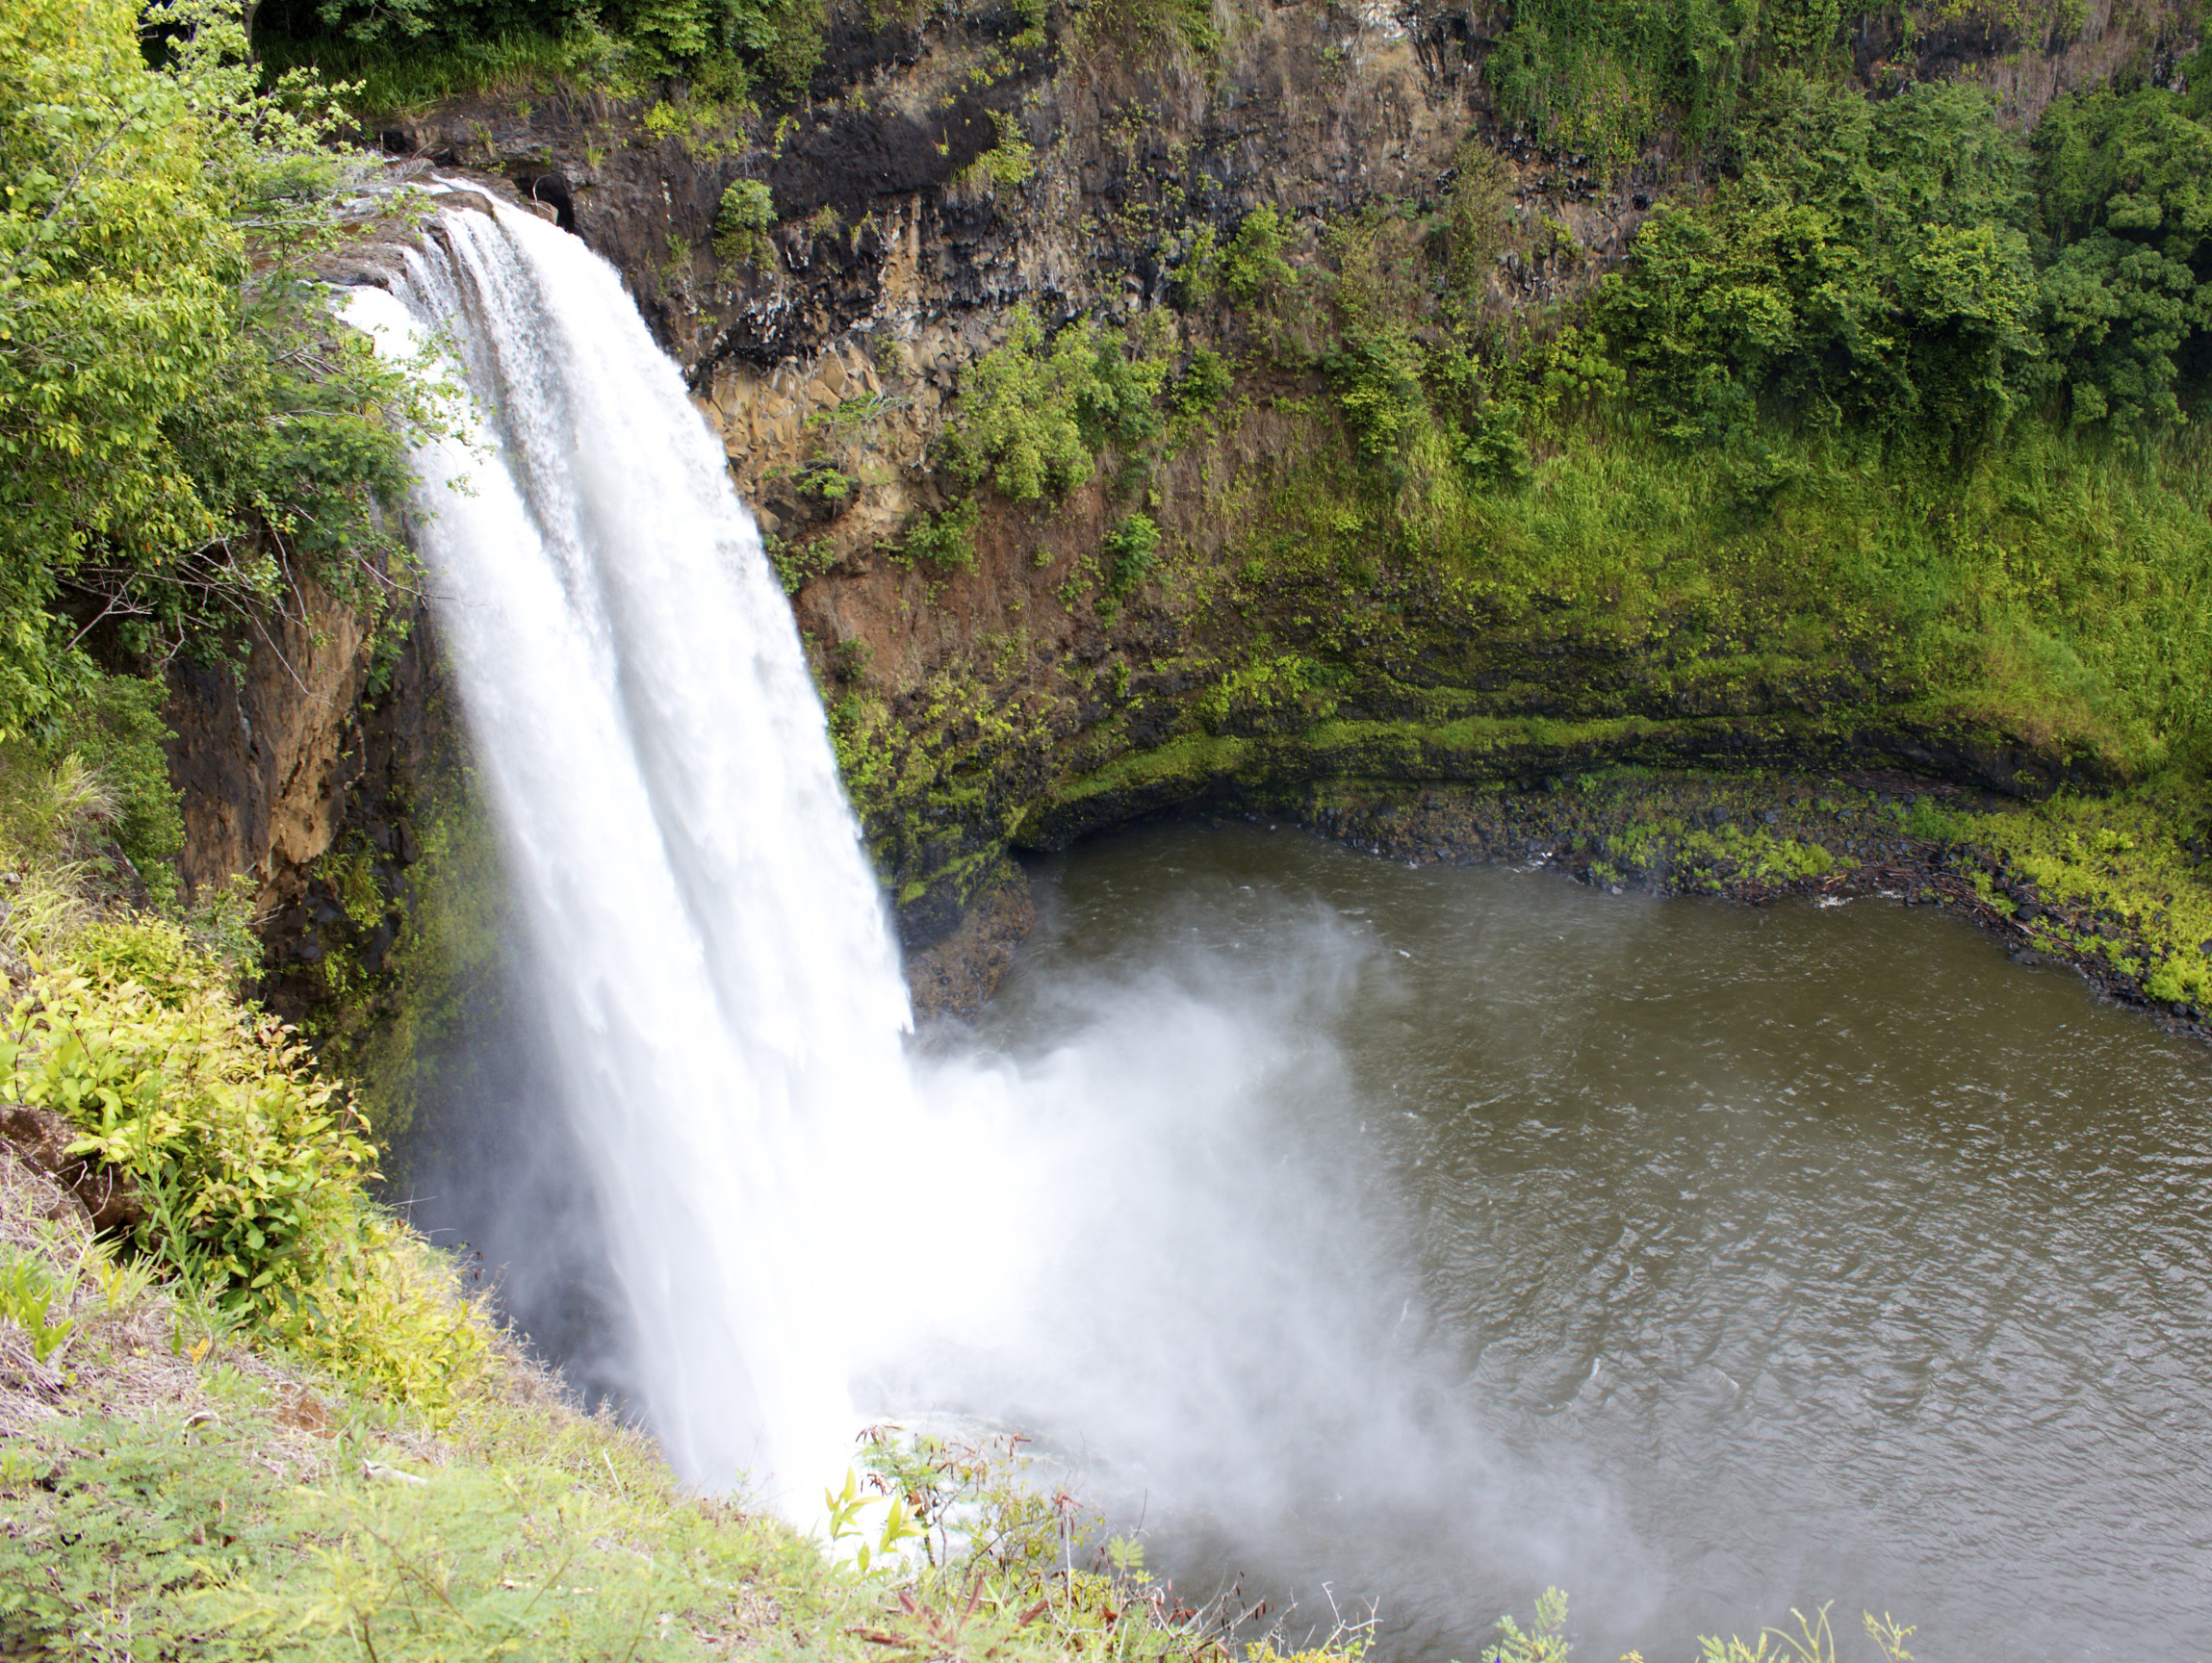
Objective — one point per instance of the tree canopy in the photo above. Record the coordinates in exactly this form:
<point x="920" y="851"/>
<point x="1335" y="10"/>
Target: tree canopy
<point x="185" y="430"/>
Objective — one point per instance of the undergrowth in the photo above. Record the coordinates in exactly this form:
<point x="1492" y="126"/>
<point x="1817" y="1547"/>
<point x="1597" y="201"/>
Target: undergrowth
<point x="252" y="1169"/>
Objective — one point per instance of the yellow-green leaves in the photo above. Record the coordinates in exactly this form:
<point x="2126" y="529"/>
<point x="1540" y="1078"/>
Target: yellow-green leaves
<point x="179" y="415"/>
<point x="1034" y="411"/>
<point x="251" y="1166"/>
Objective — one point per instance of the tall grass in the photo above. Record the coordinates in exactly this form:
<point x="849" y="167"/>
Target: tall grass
<point x="402" y="80"/>
<point x="2058" y="583"/>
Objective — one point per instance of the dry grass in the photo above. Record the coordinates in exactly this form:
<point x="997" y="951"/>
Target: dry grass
<point x="137" y="1351"/>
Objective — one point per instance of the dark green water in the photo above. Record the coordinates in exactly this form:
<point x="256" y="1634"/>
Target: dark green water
<point x="1477" y="1230"/>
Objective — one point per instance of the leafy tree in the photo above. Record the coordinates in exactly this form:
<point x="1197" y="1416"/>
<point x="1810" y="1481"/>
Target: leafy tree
<point x="185" y="431"/>
<point x="429" y="22"/>
<point x="1250" y="269"/>
<point x="1868" y="262"/>
<point x="2125" y="185"/>
<point x="1204" y="384"/>
<point x="722" y="42"/>
<point x="1377" y="374"/>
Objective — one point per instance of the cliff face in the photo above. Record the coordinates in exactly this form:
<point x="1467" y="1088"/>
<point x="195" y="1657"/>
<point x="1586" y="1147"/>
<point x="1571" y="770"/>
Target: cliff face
<point x="313" y="772"/>
<point x="970" y="695"/>
<point x="1035" y="680"/>
<point x="262" y="757"/>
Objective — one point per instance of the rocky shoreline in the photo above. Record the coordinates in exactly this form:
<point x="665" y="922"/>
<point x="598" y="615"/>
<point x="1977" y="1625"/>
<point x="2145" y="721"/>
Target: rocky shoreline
<point x="1752" y="838"/>
<point x="1759" y="838"/>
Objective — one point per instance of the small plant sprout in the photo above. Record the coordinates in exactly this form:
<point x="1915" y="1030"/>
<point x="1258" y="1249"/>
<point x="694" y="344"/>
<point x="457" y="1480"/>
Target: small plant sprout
<point x="848" y="1526"/>
<point x="31" y="1295"/>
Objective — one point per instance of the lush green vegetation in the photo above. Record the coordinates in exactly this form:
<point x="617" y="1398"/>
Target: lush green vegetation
<point x="186" y="432"/>
<point x="1036" y="411"/>
<point x="1842" y="404"/>
<point x="1890" y="420"/>
<point x="1865" y="269"/>
<point x="2125" y="182"/>
<point x="1606" y="77"/>
<point x="191" y="443"/>
<point x="252" y="1170"/>
<point x="405" y="52"/>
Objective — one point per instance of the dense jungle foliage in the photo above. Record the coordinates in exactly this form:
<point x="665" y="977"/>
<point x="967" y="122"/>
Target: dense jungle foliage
<point x="729" y="50"/>
<point x="187" y="436"/>
<point x="1888" y="260"/>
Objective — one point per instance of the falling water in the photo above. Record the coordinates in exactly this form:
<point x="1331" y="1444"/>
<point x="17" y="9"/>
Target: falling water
<point x="704" y="929"/>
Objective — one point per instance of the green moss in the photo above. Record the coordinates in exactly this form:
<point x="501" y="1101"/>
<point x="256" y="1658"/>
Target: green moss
<point x="2122" y="880"/>
<point x="442" y="971"/>
<point x="1710" y="859"/>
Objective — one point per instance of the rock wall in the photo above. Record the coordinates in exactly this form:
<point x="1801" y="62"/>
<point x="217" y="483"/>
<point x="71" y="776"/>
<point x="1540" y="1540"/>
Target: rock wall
<point x="262" y="753"/>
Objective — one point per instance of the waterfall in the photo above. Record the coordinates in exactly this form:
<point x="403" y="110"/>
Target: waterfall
<point x="704" y="929"/>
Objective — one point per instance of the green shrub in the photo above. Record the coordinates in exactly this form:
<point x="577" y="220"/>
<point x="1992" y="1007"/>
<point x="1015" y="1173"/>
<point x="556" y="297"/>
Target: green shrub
<point x="1546" y="1641"/>
<point x="118" y="729"/>
<point x="1377" y="374"/>
<point x="1252" y="267"/>
<point x="1249" y="269"/>
<point x="1204" y="384"/>
<point x="34" y="1298"/>
<point x="1034" y="413"/>
<point x="1198" y="275"/>
<point x="944" y="540"/>
<point x="1130" y="550"/>
<point x="1497" y="405"/>
<point x="253" y="1167"/>
<point x="743" y="222"/>
<point x="1009" y="161"/>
